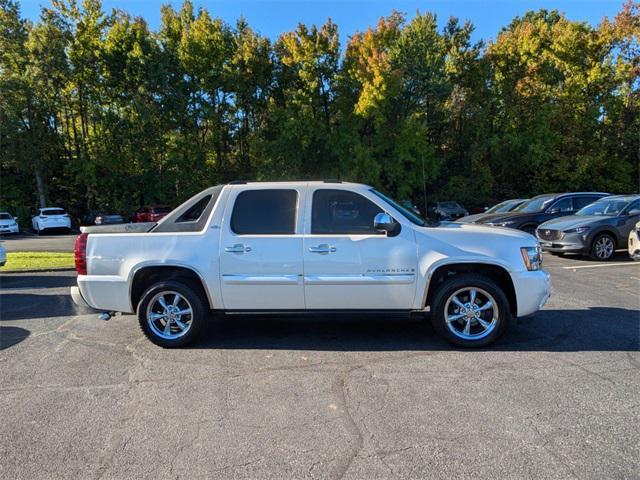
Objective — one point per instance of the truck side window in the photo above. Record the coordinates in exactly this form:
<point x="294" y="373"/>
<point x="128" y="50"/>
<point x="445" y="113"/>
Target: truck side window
<point x="265" y="212"/>
<point x="342" y="212"/>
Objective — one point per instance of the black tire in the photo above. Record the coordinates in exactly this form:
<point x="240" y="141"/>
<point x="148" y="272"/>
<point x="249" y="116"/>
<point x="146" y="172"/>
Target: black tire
<point x="596" y="254"/>
<point x="480" y="283"/>
<point x="199" y="307"/>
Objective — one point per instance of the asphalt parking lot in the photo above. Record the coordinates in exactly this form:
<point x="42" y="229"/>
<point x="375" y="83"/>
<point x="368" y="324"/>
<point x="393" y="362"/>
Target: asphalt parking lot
<point x="324" y="398"/>
<point x="26" y="242"/>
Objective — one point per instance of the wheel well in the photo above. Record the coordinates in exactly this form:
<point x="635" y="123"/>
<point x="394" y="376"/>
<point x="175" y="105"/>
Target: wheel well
<point x="147" y="276"/>
<point x="494" y="272"/>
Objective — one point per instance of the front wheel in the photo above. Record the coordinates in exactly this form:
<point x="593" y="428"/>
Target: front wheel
<point x="470" y="310"/>
<point x="171" y="313"/>
<point x="603" y="247"/>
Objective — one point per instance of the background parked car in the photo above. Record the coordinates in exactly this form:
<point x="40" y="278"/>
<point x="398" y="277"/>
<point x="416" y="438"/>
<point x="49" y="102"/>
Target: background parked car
<point x="52" y="218"/>
<point x="539" y="209"/>
<point x="8" y="224"/>
<point x="3" y="256"/>
<point x="101" y="218"/>
<point x="506" y="206"/>
<point x="150" y="213"/>
<point x="597" y="229"/>
<point x="448" y="210"/>
<point x="634" y="243"/>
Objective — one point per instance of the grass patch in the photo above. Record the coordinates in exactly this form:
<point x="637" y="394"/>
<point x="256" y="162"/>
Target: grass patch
<point x="17" y="261"/>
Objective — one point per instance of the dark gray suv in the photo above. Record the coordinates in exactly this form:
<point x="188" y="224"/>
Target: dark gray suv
<point x="597" y="229"/>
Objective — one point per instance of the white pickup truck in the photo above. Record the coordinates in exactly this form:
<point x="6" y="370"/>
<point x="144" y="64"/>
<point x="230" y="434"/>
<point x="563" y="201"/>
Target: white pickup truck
<point x="301" y="247"/>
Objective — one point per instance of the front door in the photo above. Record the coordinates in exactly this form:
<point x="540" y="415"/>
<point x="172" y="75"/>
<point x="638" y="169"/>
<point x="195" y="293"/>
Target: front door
<point x="347" y="264"/>
<point x="261" y="249"/>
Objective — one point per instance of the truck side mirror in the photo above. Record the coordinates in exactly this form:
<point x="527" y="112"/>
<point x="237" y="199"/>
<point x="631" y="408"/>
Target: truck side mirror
<point x="383" y="222"/>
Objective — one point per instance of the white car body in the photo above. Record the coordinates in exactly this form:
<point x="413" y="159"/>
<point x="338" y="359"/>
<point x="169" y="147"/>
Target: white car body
<point x="280" y="272"/>
<point x="51" y="218"/>
<point x="8" y="224"/>
<point x="634" y="242"/>
<point x="3" y="256"/>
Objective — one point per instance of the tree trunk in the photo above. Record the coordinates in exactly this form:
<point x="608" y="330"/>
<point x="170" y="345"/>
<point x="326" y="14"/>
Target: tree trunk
<point x="42" y="200"/>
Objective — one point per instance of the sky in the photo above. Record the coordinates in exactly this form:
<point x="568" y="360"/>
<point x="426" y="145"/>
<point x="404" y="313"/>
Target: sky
<point x="271" y="18"/>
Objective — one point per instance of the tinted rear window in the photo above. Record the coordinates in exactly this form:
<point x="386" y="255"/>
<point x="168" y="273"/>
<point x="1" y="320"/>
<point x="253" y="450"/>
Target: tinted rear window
<point x="265" y="212"/>
<point x="53" y="211"/>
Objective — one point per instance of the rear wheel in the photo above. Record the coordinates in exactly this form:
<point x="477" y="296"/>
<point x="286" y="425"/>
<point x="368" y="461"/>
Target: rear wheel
<point x="603" y="247"/>
<point x="172" y="313"/>
<point x="470" y="310"/>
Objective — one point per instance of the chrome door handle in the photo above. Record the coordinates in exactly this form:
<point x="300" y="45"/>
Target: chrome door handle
<point x="238" y="248"/>
<point x="323" y="249"/>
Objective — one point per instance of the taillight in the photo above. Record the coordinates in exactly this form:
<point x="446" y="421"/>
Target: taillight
<point x="80" y="253"/>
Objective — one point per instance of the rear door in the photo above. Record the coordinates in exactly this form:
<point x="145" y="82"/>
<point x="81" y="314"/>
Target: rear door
<point x="347" y="264"/>
<point x="261" y="248"/>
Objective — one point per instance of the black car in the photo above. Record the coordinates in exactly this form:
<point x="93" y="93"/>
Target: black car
<point x="446" y="210"/>
<point x="101" y="218"/>
<point x="542" y="208"/>
<point x="502" y="207"/>
<point x="597" y="230"/>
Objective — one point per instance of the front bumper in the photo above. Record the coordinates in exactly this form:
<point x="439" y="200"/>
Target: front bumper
<point x="9" y="229"/>
<point x="570" y="242"/>
<point x="533" y="290"/>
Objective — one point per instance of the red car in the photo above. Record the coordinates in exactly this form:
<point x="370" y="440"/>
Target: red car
<point x="150" y="213"/>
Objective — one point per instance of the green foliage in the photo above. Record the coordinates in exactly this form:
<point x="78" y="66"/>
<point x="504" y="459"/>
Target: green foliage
<point x="99" y="112"/>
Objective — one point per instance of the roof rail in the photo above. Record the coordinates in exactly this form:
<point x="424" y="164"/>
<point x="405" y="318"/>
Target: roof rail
<point x="332" y="180"/>
<point x="237" y="182"/>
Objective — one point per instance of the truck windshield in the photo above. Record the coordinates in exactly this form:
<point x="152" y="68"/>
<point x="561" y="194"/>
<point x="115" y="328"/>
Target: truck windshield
<point x="412" y="217"/>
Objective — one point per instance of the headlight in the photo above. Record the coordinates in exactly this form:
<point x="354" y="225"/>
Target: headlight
<point x="98" y="220"/>
<point x="577" y="230"/>
<point x="532" y="257"/>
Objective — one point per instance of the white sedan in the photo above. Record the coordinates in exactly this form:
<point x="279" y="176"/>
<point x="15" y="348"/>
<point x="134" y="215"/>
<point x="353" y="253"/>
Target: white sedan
<point x="50" y="219"/>
<point x="8" y="224"/>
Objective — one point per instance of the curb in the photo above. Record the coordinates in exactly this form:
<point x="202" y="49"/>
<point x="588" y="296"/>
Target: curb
<point x="35" y="270"/>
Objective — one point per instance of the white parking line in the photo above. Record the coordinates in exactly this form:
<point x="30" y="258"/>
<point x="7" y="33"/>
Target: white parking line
<point x="575" y="267"/>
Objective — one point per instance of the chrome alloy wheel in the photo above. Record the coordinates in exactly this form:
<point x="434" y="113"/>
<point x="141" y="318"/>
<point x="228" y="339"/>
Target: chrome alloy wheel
<point x="604" y="247"/>
<point x="169" y="315"/>
<point x="471" y="313"/>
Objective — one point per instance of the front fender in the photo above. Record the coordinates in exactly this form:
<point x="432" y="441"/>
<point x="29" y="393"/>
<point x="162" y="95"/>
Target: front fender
<point x="427" y="268"/>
